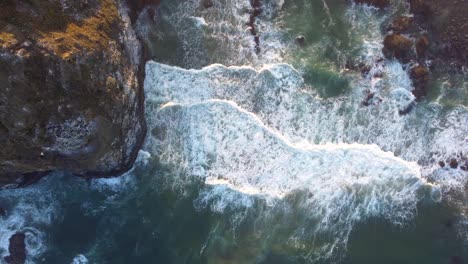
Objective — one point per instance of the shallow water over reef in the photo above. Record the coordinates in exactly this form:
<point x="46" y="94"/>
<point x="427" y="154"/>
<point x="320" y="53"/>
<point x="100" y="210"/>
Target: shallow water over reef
<point x="268" y="155"/>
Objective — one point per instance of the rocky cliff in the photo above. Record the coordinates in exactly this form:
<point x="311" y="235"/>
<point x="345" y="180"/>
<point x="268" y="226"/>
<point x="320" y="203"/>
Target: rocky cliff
<point x="71" y="88"/>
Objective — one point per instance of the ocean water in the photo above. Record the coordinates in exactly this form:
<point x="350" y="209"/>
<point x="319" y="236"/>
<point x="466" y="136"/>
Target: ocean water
<point x="268" y="156"/>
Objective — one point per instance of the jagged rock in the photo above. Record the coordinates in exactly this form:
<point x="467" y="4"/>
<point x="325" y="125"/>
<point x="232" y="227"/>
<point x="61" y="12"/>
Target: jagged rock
<point x="397" y="46"/>
<point x="400" y="24"/>
<point x="2" y="212"/>
<point x="420" y="77"/>
<point x="376" y="3"/>
<point x="422" y="44"/>
<point x="71" y="88"/>
<point x="17" y="249"/>
<point x="441" y="163"/>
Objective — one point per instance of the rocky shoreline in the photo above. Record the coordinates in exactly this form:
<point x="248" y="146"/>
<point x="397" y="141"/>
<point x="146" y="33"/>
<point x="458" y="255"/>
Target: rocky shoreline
<point x="433" y="37"/>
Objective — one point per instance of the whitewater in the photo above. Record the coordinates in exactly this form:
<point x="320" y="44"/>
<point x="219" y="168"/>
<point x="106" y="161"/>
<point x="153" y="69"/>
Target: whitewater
<point x="254" y="153"/>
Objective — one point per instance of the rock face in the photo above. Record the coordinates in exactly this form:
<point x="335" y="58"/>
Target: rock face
<point x="71" y="88"/>
<point x="17" y="249"/>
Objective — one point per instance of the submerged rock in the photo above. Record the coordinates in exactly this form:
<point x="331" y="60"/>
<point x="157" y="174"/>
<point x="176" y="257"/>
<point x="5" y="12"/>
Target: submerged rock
<point x="376" y="3"/>
<point x="207" y="3"/>
<point x="71" y="88"/>
<point x="17" y="249"/>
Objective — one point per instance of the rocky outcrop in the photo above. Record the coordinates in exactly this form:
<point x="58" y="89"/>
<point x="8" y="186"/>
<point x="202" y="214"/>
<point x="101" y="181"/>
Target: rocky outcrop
<point x="447" y="24"/>
<point x="17" y="249"/>
<point x="397" y="46"/>
<point x="437" y="32"/>
<point x="420" y="77"/>
<point x="71" y="88"/>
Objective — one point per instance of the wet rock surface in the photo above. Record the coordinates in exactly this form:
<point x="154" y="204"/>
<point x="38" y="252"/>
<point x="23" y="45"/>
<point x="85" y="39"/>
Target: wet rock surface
<point x="420" y="77"/>
<point x="71" y="88"/>
<point x="17" y="249"/>
<point x="397" y="46"/>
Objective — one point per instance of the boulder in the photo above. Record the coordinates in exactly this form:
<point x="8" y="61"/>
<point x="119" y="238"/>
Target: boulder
<point x="17" y="249"/>
<point x="397" y="46"/>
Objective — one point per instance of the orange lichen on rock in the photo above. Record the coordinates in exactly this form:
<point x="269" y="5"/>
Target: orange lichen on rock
<point x="7" y="40"/>
<point x="87" y="36"/>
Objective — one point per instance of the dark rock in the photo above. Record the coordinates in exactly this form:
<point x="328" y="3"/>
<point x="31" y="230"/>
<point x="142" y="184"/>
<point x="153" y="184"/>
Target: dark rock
<point x="397" y="46"/>
<point x="420" y="7"/>
<point x="300" y="40"/>
<point x="420" y="77"/>
<point x="422" y="44"/>
<point x="442" y="163"/>
<point x="17" y="249"/>
<point x="453" y="163"/>
<point x="456" y="260"/>
<point x="368" y="99"/>
<point x="137" y="6"/>
<point x="447" y="24"/>
<point x="2" y="212"/>
<point x="71" y="97"/>
<point x="207" y="3"/>
<point x="376" y="3"/>
<point x="400" y="24"/>
<point x="407" y="109"/>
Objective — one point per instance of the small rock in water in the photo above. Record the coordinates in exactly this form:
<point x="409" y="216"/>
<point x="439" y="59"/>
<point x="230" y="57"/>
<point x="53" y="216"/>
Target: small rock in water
<point x="2" y="212"/>
<point x="207" y="3"/>
<point x="453" y="163"/>
<point x="300" y="40"/>
<point x="442" y="163"/>
<point x="456" y="260"/>
<point x="17" y="249"/>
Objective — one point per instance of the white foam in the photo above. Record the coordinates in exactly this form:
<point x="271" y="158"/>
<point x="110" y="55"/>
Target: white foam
<point x="80" y="259"/>
<point x="28" y="210"/>
<point x="219" y="34"/>
<point x="277" y="94"/>
<point x="224" y="145"/>
<point x="251" y="134"/>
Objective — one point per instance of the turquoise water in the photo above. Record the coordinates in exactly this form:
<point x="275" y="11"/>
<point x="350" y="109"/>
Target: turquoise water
<point x="271" y="160"/>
